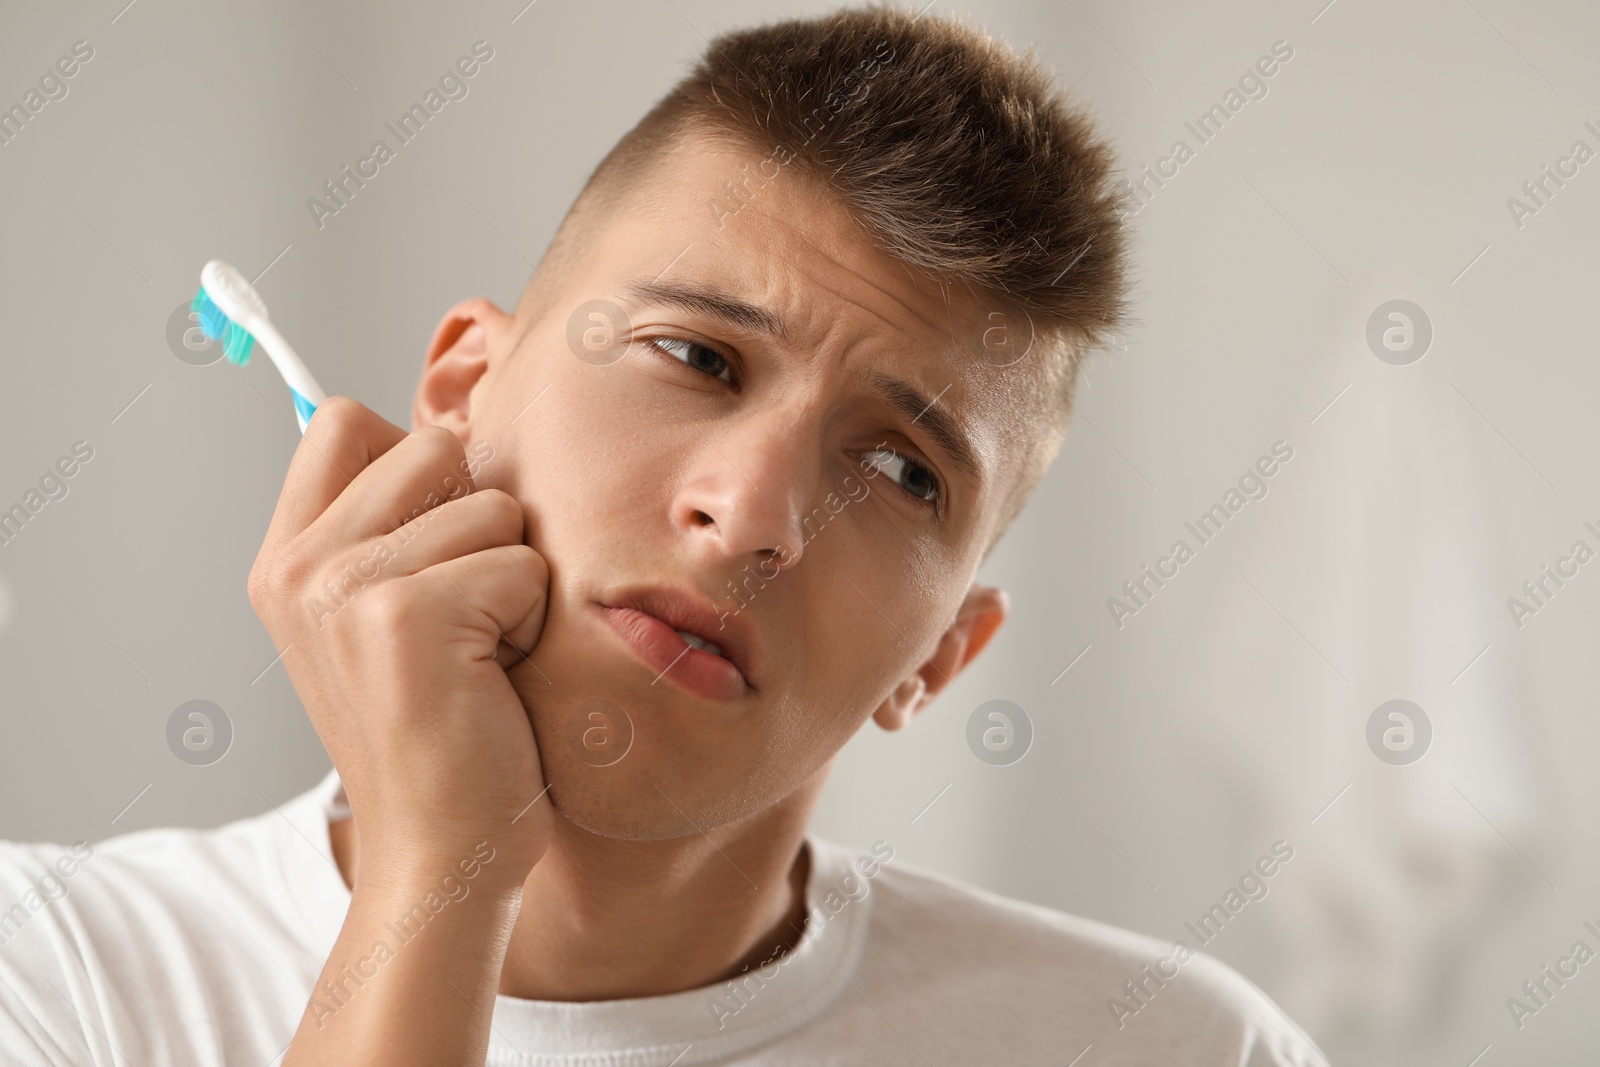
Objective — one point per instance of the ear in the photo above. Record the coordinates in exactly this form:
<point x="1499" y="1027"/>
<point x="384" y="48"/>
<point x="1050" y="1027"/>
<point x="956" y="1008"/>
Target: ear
<point x="470" y="337"/>
<point x="978" y="619"/>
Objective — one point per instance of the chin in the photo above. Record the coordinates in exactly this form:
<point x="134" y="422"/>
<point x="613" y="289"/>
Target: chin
<point x="610" y="794"/>
<point x="600" y="814"/>
<point x="674" y="775"/>
<point x="643" y="799"/>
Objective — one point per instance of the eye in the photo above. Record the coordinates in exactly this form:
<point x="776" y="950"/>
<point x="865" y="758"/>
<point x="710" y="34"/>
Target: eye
<point x="918" y="480"/>
<point x="698" y="356"/>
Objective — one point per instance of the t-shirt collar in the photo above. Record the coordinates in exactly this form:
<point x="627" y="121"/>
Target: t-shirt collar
<point x="678" y="1029"/>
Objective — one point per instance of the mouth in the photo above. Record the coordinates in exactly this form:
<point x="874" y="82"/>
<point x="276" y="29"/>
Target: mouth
<point x="684" y="640"/>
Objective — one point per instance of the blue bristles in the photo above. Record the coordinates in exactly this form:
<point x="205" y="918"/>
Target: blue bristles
<point x="236" y="340"/>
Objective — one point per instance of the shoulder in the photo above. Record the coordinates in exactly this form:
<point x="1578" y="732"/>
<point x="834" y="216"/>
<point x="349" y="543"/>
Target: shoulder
<point x="1022" y="957"/>
<point x="111" y="932"/>
<point x="111" y="902"/>
<point x="170" y="868"/>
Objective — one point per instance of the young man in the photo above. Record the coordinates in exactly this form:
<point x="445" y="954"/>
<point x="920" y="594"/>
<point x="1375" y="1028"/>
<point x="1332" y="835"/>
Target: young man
<point x="583" y="646"/>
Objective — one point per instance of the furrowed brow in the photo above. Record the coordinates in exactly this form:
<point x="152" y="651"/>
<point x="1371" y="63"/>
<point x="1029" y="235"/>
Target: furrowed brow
<point x="715" y="303"/>
<point x="900" y="395"/>
<point x="939" y="425"/>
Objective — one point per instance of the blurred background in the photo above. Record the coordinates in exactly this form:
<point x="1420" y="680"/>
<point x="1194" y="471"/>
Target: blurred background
<point x="1364" y="264"/>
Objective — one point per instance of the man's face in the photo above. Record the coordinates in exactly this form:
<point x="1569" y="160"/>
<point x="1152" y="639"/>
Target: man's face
<point x="782" y="482"/>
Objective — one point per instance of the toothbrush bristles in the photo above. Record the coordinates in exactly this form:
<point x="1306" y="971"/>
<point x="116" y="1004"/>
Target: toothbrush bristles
<point x="215" y="324"/>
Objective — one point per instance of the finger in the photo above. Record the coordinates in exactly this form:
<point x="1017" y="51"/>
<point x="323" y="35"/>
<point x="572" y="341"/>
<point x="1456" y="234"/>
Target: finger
<point x="423" y="471"/>
<point x="342" y="439"/>
<point x="506" y="588"/>
<point x="486" y="519"/>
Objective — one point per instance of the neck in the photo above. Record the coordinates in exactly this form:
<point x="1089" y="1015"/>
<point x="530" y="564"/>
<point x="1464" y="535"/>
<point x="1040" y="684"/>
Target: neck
<point x="606" y="919"/>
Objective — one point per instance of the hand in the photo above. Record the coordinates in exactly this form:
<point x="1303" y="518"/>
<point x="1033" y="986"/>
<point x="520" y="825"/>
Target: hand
<point x="391" y="638"/>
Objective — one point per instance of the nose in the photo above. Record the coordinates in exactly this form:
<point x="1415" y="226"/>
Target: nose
<point x="745" y="490"/>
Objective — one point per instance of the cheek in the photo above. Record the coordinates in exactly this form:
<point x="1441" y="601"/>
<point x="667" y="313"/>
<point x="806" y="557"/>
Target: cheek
<point x="868" y="621"/>
<point x="577" y="475"/>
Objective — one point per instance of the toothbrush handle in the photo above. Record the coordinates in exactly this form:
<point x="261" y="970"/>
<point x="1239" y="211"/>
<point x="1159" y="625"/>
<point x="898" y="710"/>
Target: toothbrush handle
<point x="308" y="395"/>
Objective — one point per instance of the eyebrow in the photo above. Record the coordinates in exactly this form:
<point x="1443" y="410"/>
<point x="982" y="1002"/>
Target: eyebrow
<point x="900" y="395"/>
<point x="713" y="303"/>
<point x="946" y="431"/>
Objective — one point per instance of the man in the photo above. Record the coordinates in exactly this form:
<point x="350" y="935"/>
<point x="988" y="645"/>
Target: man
<point x="583" y="646"/>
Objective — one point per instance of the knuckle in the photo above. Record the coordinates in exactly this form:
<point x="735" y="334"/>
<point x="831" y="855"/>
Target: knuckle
<point x="528" y="562"/>
<point x="441" y="443"/>
<point x="353" y="569"/>
<point x="336" y="416"/>
<point x="501" y="506"/>
<point x="529" y="558"/>
<point x="276" y="579"/>
<point x="392" y="605"/>
<point x="255" y="587"/>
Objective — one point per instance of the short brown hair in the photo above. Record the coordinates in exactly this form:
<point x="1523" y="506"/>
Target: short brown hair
<point x="964" y="159"/>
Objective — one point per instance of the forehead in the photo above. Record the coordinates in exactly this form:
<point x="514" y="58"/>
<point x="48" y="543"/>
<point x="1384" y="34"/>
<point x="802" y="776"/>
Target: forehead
<point x="754" y="220"/>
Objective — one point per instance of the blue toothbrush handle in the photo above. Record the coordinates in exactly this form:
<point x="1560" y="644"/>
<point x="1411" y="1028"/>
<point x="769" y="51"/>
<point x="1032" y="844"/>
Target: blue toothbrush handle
<point x="303" y="410"/>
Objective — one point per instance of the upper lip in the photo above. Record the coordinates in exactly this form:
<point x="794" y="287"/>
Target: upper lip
<point x="683" y="610"/>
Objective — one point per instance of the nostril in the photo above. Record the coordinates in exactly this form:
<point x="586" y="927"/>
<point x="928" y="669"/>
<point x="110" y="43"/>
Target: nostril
<point x="703" y="519"/>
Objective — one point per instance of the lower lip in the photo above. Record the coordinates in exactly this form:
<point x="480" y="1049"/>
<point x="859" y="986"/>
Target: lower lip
<point x="702" y="674"/>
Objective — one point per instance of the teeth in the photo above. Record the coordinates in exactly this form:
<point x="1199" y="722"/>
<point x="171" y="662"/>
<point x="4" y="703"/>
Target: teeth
<point x="695" y="642"/>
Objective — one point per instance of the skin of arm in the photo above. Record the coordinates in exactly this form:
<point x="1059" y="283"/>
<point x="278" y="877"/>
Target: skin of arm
<point x="427" y="1001"/>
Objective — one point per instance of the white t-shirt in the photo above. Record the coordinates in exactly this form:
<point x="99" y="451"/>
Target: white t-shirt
<point x="202" y="947"/>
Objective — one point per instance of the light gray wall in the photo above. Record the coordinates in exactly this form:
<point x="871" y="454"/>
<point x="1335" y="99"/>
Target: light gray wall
<point x="1228" y="713"/>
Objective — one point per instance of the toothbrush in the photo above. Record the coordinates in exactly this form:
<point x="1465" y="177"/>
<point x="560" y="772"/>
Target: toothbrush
<point x="231" y="312"/>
